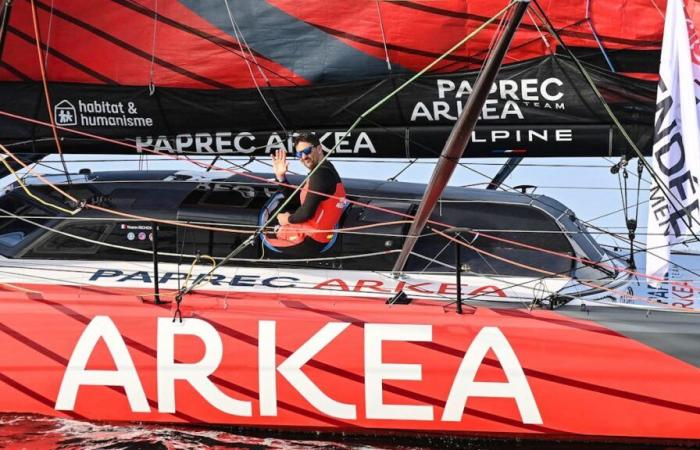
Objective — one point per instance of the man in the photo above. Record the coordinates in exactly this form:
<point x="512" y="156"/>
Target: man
<point x="307" y="230"/>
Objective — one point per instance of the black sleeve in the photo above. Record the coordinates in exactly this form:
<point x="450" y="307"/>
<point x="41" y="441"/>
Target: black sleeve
<point x="287" y="191"/>
<point x="323" y="180"/>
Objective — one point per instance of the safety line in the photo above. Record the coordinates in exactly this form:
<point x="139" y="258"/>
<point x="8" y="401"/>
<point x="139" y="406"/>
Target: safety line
<point x="49" y="105"/>
<point x="584" y="260"/>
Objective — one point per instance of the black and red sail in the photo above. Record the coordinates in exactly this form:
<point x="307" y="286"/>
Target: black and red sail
<point x="200" y="76"/>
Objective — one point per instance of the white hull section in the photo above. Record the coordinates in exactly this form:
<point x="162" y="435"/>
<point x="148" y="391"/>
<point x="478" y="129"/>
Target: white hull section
<point x="140" y="275"/>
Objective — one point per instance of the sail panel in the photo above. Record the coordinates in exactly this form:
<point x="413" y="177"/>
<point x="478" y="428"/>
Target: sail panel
<point x="188" y="77"/>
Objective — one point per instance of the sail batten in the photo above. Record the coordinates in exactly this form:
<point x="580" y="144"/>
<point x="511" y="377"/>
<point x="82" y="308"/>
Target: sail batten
<point x="316" y="64"/>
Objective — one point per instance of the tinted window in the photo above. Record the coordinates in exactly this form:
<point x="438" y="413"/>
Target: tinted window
<point x="508" y="226"/>
<point x="214" y="243"/>
<point x="376" y="239"/>
<point x="14" y="231"/>
<point x="58" y="244"/>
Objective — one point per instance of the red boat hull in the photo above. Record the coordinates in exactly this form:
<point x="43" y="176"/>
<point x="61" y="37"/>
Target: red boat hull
<point x="371" y="366"/>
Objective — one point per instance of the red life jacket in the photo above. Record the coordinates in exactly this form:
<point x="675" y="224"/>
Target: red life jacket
<point x="320" y="226"/>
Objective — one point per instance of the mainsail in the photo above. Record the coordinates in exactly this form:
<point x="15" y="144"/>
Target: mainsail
<point x="238" y="78"/>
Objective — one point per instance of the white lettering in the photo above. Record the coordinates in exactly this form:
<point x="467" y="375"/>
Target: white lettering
<point x="342" y="145"/>
<point x="125" y="374"/>
<point x="202" y="142"/>
<point x="291" y="370"/>
<point x="238" y="145"/>
<point x="529" y="89"/>
<point x="223" y="141"/>
<point x="420" y="110"/>
<point x="464" y="386"/>
<point x="444" y="86"/>
<point x="363" y="142"/>
<point x="197" y="374"/>
<point x="377" y="371"/>
<point x="545" y="92"/>
<point x="183" y="141"/>
<point x="143" y="142"/>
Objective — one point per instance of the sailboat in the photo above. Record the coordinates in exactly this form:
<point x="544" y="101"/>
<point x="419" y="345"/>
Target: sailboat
<point x="156" y="296"/>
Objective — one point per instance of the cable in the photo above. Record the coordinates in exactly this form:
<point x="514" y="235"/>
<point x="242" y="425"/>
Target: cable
<point x="49" y="106"/>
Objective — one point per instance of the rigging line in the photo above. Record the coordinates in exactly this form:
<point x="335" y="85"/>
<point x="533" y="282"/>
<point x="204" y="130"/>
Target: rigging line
<point x="668" y="194"/>
<point x="546" y="272"/>
<point x="381" y="28"/>
<point x="595" y="36"/>
<point x="359" y="229"/>
<point x="151" y="74"/>
<point x="539" y="31"/>
<point x="38" y="199"/>
<point x="368" y="112"/>
<point x="49" y="107"/>
<point x="273" y="182"/>
<point x="267" y="224"/>
<point x="240" y="247"/>
<point x="48" y="39"/>
<point x="181" y="255"/>
<point x="228" y="161"/>
<point x="653" y="2"/>
<point x="101" y="33"/>
<point x="409" y="164"/>
<point x="107" y="210"/>
<point x="589" y="221"/>
<point x="241" y="38"/>
<point x="648" y="249"/>
<point x="636" y="175"/>
<point x="226" y="45"/>
<point x="643" y="249"/>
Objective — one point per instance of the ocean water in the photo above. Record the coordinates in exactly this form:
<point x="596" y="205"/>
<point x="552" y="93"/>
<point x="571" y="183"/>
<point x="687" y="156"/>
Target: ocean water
<point x="43" y="433"/>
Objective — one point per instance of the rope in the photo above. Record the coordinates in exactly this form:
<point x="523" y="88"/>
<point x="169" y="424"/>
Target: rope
<point x="595" y="36"/>
<point x="35" y="22"/>
<point x="359" y="119"/>
<point x="240" y="38"/>
<point x="554" y="274"/>
<point x="381" y="28"/>
<point x="374" y="207"/>
<point x="48" y="39"/>
<point x="664" y="189"/>
<point x="151" y="80"/>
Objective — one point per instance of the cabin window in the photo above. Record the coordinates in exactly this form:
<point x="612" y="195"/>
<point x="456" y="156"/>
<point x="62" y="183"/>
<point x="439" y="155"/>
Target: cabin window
<point x="66" y="241"/>
<point x="15" y="230"/>
<point x="192" y="241"/>
<point x="88" y="238"/>
<point x="376" y="246"/>
<point x="496" y="250"/>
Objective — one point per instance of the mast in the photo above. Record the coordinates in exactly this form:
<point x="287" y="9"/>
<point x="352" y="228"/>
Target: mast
<point x="459" y="136"/>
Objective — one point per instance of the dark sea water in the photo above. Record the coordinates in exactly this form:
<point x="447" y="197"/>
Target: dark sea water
<point x="38" y="433"/>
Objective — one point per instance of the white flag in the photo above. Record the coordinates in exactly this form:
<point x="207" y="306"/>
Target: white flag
<point x="676" y="157"/>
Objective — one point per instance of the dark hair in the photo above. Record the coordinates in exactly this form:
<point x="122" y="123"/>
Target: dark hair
<point x="307" y="136"/>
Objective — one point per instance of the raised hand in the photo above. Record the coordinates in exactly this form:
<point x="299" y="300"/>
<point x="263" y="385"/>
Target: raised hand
<point x="280" y="164"/>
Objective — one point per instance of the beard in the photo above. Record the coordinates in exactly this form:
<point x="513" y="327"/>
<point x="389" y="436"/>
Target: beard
<point x="309" y="163"/>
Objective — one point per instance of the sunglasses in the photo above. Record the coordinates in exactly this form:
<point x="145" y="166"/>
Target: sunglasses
<point x="306" y="151"/>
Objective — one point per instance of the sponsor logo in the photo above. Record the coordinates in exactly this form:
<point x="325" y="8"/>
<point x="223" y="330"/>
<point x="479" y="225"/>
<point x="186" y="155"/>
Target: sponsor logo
<point x="100" y="113"/>
<point x="246" y="143"/>
<point x="506" y="99"/>
<point x="377" y="368"/>
<point x="65" y="114"/>
<point x="372" y="286"/>
<point x="509" y="100"/>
